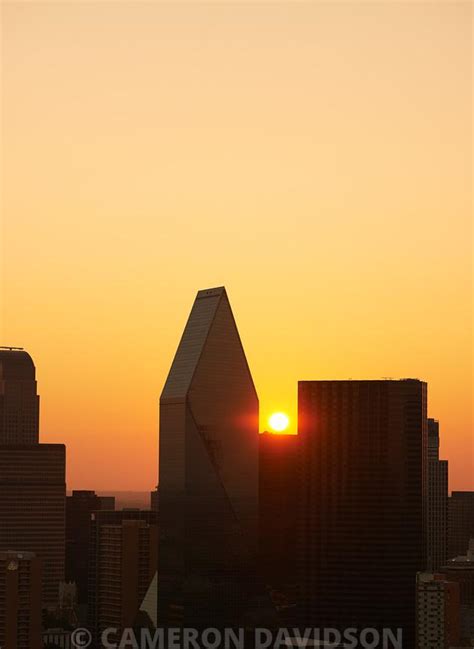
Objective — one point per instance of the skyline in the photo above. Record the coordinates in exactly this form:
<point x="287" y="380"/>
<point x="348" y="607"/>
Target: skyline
<point x="278" y="423"/>
<point x="252" y="529"/>
<point x="315" y="159"/>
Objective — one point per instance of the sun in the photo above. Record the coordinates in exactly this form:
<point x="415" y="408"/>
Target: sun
<point x="279" y="422"/>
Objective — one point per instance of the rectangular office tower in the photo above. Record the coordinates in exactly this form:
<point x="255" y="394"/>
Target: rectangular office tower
<point x="363" y="531"/>
<point x="123" y="547"/>
<point x="437" y="501"/>
<point x="79" y="507"/>
<point x="460" y="522"/>
<point x="208" y="478"/>
<point x="278" y="509"/>
<point x="438" y="612"/>
<point x="32" y="504"/>
<point x="20" y="601"/>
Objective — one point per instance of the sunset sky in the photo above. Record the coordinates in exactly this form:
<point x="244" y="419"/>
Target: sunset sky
<point x="314" y="158"/>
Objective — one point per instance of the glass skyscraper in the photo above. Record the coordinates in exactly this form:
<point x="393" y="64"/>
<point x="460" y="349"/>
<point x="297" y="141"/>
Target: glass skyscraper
<point x="208" y="480"/>
<point x="364" y="483"/>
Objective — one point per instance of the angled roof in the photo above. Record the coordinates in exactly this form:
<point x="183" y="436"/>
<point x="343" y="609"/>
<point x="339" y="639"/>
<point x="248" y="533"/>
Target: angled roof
<point x="193" y="341"/>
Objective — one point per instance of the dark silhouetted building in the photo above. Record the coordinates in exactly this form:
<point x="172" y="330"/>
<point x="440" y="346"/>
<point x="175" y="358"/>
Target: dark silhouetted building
<point x="107" y="503"/>
<point x="79" y="507"/>
<point x="20" y="601"/>
<point x="154" y="500"/>
<point x="123" y="561"/>
<point x="208" y="480"/>
<point x="278" y="508"/>
<point x="437" y="501"/>
<point x="460" y="522"/>
<point x="461" y="570"/>
<point x="437" y="612"/>
<point x="19" y="402"/>
<point x="32" y="508"/>
<point x="363" y="489"/>
<point x="32" y="475"/>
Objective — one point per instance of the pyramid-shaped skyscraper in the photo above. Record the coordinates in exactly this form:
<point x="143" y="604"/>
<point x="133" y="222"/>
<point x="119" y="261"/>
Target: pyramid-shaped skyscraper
<point x="208" y="482"/>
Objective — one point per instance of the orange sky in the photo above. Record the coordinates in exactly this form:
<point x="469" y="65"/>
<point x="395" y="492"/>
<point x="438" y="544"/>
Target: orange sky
<point x="314" y="158"/>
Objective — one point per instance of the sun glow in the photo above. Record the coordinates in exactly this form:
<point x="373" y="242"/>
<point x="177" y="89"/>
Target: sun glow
<point x="279" y="422"/>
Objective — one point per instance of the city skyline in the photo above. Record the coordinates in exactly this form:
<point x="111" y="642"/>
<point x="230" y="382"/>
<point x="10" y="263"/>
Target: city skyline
<point x="236" y="324"/>
<point x="313" y="157"/>
<point x="327" y="527"/>
<point x="277" y="423"/>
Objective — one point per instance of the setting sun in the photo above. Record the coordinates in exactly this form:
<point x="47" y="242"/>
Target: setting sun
<point x="279" y="422"/>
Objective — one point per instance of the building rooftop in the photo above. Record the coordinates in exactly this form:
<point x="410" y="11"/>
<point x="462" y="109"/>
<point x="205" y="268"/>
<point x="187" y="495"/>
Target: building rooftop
<point x="16" y="364"/>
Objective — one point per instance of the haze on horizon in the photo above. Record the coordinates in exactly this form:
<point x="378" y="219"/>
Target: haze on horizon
<point x="314" y="158"/>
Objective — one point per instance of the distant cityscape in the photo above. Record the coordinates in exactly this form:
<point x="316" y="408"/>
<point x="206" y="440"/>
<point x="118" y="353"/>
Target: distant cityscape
<point x="344" y="535"/>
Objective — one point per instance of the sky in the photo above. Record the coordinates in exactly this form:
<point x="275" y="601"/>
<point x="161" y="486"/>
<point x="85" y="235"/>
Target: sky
<point x="314" y="158"/>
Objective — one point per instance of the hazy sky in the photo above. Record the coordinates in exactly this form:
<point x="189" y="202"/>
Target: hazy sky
<point x="313" y="157"/>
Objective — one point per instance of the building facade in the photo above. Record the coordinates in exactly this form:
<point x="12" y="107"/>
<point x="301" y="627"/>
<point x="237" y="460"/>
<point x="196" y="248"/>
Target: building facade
<point x="32" y="475"/>
<point x="437" y="501"/>
<point x="461" y="570"/>
<point x="437" y="612"/>
<point x="123" y="561"/>
<point x="32" y="508"/>
<point x="19" y="401"/>
<point x="460" y="522"/>
<point x="363" y="489"/>
<point x="20" y="601"/>
<point x="278" y="510"/>
<point x="208" y="474"/>
<point x="154" y="500"/>
<point x="79" y="507"/>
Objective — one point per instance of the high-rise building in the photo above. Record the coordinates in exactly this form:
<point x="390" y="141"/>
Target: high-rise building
<point x="461" y="570"/>
<point x="208" y="478"/>
<point x="79" y="507"/>
<point x="363" y="490"/>
<point x="20" y="601"/>
<point x="32" y="475"/>
<point x="154" y="500"/>
<point x="437" y="501"/>
<point x="460" y="522"/>
<point x="32" y="508"/>
<point x="278" y="508"/>
<point x="19" y="401"/>
<point x="437" y="612"/>
<point x="123" y="561"/>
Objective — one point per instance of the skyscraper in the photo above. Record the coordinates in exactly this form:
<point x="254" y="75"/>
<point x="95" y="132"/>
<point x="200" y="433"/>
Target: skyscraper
<point x="32" y="475"/>
<point x="437" y="612"/>
<point x="437" y="501"/>
<point x="278" y="508"/>
<point x="19" y="402"/>
<point x="20" y="601"/>
<point x="460" y="522"/>
<point x="208" y="479"/>
<point x="32" y="508"/>
<point x="123" y="561"/>
<point x="79" y="507"/>
<point x="461" y="570"/>
<point x="154" y="500"/>
<point x="363" y="536"/>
